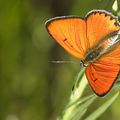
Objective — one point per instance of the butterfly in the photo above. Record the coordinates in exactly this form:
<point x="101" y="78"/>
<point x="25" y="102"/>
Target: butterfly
<point x="94" y="40"/>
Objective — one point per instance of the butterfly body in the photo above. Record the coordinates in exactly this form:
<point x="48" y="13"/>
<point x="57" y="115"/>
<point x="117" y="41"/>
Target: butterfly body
<point x="92" y="56"/>
<point x="104" y="47"/>
<point x="95" y="41"/>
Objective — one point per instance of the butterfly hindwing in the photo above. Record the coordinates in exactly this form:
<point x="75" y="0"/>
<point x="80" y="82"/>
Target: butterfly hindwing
<point x="113" y="55"/>
<point x="70" y="33"/>
<point x="101" y="76"/>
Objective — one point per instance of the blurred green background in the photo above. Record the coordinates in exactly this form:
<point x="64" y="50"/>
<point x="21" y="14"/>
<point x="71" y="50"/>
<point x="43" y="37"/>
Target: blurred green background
<point x="31" y="87"/>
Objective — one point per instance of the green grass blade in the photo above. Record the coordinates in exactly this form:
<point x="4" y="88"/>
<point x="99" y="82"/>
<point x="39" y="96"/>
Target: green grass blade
<point x="76" y="110"/>
<point x="82" y="101"/>
<point x="102" y="109"/>
<point x="82" y="107"/>
<point x="79" y="115"/>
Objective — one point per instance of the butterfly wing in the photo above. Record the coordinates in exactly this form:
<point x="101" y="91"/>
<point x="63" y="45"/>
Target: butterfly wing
<point x="113" y="55"/>
<point x="100" y="23"/>
<point x="101" y="76"/>
<point x="70" y="33"/>
<point x="103" y="73"/>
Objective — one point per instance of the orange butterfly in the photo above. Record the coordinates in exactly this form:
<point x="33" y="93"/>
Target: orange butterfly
<point x="93" y="40"/>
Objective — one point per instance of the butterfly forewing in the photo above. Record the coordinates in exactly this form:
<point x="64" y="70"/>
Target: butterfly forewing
<point x="100" y="24"/>
<point x="70" y="33"/>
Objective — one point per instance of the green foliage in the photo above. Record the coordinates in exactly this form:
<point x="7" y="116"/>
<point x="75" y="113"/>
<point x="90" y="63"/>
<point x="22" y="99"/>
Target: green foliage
<point x="102" y="108"/>
<point x="77" y="106"/>
<point x="31" y="87"/>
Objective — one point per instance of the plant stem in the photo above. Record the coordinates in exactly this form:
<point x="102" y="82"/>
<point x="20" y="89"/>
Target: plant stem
<point x="78" y="89"/>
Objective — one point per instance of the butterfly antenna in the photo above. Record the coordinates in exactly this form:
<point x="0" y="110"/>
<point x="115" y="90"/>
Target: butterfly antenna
<point x="62" y="62"/>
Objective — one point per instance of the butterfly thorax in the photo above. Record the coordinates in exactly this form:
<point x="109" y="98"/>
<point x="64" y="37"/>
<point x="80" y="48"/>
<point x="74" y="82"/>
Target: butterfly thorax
<point x="102" y="48"/>
<point x="92" y="55"/>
